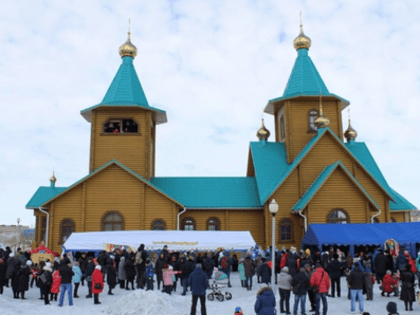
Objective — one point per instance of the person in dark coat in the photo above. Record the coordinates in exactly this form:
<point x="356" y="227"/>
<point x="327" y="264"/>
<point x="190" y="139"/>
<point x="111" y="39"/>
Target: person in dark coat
<point x="300" y="286"/>
<point x="186" y="269"/>
<point x="389" y="261"/>
<point x="407" y="288"/>
<point x="160" y="263"/>
<point x="401" y="261"/>
<point x="292" y="261"/>
<point x="102" y="261"/>
<point x="23" y="274"/>
<point x="249" y="271"/>
<point x="3" y="269"/>
<point x="265" y="272"/>
<point x="266" y="302"/>
<point x="380" y="266"/>
<point x="83" y="263"/>
<point x="235" y="263"/>
<point x="45" y="281"/>
<point x="111" y="274"/>
<point x="356" y="280"/>
<point x="88" y="275"/>
<point x="11" y="262"/>
<point x="198" y="282"/>
<point x="391" y="307"/>
<point x="140" y="264"/>
<point x="15" y="279"/>
<point x="335" y="269"/>
<point x="208" y="266"/>
<point x="130" y="271"/>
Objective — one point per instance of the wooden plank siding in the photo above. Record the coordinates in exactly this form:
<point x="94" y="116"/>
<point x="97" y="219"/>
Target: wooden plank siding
<point x="286" y="196"/>
<point x="327" y="152"/>
<point x="399" y="216"/>
<point x="338" y="192"/>
<point x="298" y="123"/>
<point x="105" y="147"/>
<point x="157" y="206"/>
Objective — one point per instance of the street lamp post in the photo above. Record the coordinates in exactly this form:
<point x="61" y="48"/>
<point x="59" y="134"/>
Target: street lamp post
<point x="18" y="234"/>
<point x="273" y="207"/>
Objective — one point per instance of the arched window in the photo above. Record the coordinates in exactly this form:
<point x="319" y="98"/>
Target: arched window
<point x="120" y="125"/>
<point x="376" y="220"/>
<point x="188" y="224"/>
<point x="286" y="230"/>
<point x="112" y="221"/>
<point x="339" y="216"/>
<point x="43" y="229"/>
<point x="158" y="225"/>
<point x="312" y="115"/>
<point x="67" y="227"/>
<point x="213" y="224"/>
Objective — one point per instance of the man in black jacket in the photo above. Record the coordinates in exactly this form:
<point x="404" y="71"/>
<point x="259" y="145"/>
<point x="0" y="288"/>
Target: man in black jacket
<point x="140" y="260"/>
<point x="355" y="280"/>
<point x="300" y="286"/>
<point x="66" y="274"/>
<point x="88" y="275"/>
<point x="380" y="266"/>
<point x="334" y="270"/>
<point x="187" y="269"/>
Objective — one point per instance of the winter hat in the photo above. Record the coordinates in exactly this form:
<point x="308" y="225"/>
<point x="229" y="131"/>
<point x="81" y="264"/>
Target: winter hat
<point x="48" y="264"/>
<point x="406" y="254"/>
<point x="389" y="272"/>
<point x="198" y="266"/>
<point x="12" y="255"/>
<point x="285" y="269"/>
<point x="238" y="310"/>
<point x="98" y="267"/>
<point x="76" y="263"/>
<point x="29" y="262"/>
<point x="392" y="307"/>
<point x="112" y="256"/>
<point x="122" y="258"/>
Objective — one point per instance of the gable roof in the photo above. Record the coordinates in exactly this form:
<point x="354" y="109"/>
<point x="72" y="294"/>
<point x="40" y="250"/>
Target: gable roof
<point x="361" y="151"/>
<point x="267" y="168"/>
<point x="321" y="179"/>
<point x="211" y="192"/>
<point x="47" y="195"/>
<point x="126" y="91"/>
<point x="304" y="80"/>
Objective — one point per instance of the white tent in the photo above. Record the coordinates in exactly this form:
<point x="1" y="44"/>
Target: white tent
<point x="152" y="240"/>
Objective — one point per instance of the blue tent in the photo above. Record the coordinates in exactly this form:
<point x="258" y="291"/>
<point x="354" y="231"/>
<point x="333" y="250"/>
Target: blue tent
<point x="406" y="234"/>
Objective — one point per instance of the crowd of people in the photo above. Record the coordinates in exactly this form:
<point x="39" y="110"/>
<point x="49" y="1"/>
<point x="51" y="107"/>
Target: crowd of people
<point x="303" y="274"/>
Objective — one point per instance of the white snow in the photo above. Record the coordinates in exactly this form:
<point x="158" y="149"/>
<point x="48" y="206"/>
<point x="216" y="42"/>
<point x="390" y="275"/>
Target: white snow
<point x="140" y="302"/>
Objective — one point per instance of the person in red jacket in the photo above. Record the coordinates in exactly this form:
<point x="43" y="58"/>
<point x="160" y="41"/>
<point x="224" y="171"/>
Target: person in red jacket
<point x="97" y="284"/>
<point x="55" y="287"/>
<point x="388" y="283"/>
<point x="321" y="282"/>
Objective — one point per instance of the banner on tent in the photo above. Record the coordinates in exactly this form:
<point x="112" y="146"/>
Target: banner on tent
<point x="175" y="243"/>
<point x="112" y="247"/>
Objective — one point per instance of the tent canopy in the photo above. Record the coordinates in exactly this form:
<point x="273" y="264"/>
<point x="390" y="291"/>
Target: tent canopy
<point x="176" y="240"/>
<point x="406" y="234"/>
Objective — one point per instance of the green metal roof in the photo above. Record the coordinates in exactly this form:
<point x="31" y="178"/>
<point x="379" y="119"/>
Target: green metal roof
<point x="45" y="195"/>
<point x="321" y="179"/>
<point x="211" y="192"/>
<point x="362" y="153"/>
<point x="126" y="91"/>
<point x="42" y="195"/>
<point x="304" y="81"/>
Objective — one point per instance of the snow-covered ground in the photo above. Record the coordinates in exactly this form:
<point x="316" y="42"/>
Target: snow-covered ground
<point x="140" y="302"/>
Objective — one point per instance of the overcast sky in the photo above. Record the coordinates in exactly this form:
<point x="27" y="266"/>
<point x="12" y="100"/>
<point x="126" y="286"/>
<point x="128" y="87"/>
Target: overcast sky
<point x="212" y="65"/>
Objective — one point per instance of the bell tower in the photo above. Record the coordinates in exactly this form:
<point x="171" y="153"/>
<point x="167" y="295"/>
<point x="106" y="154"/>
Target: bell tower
<point x="123" y="125"/>
<point x="305" y="101"/>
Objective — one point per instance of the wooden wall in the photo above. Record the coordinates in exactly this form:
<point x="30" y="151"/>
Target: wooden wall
<point x="132" y="150"/>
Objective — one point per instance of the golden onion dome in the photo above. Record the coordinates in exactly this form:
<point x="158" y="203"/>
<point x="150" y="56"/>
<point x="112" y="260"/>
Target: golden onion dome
<point x="350" y="134"/>
<point x="322" y="121"/>
<point x="128" y="49"/>
<point x="302" y="41"/>
<point x="263" y="132"/>
<point x="53" y="179"/>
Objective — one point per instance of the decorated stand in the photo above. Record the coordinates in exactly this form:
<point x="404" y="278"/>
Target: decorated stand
<point x="42" y="253"/>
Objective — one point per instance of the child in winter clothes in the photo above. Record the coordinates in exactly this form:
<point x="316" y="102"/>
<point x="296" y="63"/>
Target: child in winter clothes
<point x="55" y="287"/>
<point x="241" y="270"/>
<point x="167" y="273"/>
<point x="238" y="311"/>
<point x="396" y="277"/>
<point x="149" y="275"/>
<point x="388" y="283"/>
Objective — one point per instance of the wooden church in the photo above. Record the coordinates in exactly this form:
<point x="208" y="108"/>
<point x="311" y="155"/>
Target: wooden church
<point x="308" y="169"/>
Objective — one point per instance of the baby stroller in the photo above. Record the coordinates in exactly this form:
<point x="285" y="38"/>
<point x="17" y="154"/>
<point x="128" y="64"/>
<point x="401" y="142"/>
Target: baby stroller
<point x="215" y="286"/>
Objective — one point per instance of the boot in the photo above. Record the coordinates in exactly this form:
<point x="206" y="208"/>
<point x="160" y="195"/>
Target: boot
<point x="96" y="299"/>
<point x="110" y="292"/>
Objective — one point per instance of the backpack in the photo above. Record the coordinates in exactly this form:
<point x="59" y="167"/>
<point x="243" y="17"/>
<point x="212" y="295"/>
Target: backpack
<point x="224" y="262"/>
<point x="45" y="279"/>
